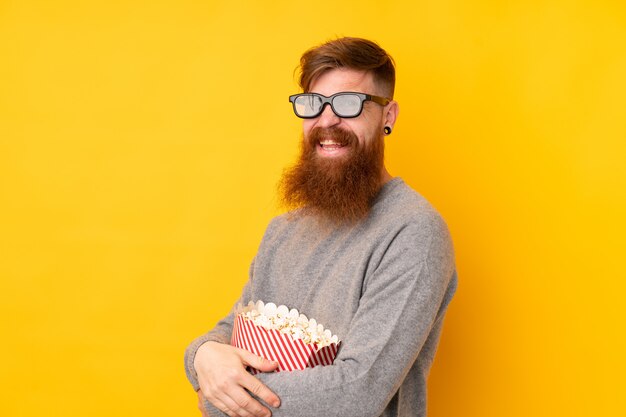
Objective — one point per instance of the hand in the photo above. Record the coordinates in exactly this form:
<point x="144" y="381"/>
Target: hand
<point x="224" y="380"/>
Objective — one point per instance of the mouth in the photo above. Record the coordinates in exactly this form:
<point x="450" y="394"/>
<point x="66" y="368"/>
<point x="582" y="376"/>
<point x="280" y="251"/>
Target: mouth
<point x="330" y="145"/>
<point x="330" y="148"/>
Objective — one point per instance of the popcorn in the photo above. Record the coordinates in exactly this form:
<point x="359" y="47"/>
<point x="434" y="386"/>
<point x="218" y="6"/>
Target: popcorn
<point x="283" y="335"/>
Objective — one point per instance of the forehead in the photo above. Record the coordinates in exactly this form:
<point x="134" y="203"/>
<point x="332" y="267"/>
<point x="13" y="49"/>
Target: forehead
<point x="337" y="80"/>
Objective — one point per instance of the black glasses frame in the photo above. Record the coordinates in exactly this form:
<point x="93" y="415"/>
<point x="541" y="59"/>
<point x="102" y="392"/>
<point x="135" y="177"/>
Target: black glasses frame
<point x="329" y="101"/>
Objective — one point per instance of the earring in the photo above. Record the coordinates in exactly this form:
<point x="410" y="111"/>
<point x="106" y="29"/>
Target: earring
<point x="387" y="130"/>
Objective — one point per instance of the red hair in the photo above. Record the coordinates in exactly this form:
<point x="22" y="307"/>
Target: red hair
<point x="352" y="53"/>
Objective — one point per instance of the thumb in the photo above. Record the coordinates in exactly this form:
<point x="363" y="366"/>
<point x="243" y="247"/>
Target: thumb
<point x="258" y="362"/>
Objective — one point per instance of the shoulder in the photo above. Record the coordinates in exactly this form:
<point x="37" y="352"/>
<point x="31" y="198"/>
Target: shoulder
<point x="280" y="228"/>
<point x="398" y="206"/>
<point x="412" y="224"/>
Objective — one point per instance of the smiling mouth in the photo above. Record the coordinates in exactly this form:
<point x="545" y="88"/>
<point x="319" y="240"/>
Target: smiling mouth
<point x="330" y="145"/>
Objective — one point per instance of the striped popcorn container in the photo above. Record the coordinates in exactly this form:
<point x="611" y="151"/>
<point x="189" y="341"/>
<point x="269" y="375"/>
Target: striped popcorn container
<point x="283" y="336"/>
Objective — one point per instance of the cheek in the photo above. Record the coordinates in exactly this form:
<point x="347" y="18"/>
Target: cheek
<point x="307" y="126"/>
<point x="367" y="134"/>
<point x="358" y="129"/>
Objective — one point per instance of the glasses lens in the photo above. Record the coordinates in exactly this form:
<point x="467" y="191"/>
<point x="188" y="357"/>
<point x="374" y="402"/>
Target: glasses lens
<point x="347" y="105"/>
<point x="307" y="105"/>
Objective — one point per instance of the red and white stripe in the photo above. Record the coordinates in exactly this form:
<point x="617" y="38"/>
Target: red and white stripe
<point x="291" y="354"/>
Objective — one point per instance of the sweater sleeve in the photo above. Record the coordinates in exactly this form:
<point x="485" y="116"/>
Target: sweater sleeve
<point x="403" y="299"/>
<point x="220" y="333"/>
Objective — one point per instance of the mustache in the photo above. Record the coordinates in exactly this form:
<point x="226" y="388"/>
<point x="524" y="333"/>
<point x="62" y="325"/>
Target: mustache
<point x="338" y="135"/>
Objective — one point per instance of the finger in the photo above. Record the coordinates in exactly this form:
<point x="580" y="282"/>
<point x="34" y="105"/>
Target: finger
<point x="232" y="400"/>
<point x="246" y="406"/>
<point x="257" y="362"/>
<point x="259" y="389"/>
<point x="211" y="400"/>
<point x="222" y="407"/>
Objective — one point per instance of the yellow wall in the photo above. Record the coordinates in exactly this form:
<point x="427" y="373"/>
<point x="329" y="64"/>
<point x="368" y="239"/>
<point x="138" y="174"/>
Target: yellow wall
<point x="140" y="145"/>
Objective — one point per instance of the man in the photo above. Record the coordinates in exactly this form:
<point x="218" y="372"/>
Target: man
<point x="360" y="252"/>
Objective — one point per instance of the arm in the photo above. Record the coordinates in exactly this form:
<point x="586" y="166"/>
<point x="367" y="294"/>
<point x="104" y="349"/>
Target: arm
<point x="224" y="380"/>
<point x="217" y="371"/>
<point x="401" y="302"/>
<point x="220" y="333"/>
<point x="402" y="305"/>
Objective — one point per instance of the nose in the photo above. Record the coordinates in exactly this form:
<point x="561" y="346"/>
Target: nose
<point x="328" y="118"/>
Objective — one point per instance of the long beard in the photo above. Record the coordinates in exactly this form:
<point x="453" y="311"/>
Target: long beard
<point x="340" y="189"/>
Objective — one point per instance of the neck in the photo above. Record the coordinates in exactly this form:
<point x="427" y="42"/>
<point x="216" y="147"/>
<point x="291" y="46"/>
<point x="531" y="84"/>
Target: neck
<point x="385" y="177"/>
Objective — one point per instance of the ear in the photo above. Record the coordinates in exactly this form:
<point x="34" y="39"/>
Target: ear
<point x="391" y="113"/>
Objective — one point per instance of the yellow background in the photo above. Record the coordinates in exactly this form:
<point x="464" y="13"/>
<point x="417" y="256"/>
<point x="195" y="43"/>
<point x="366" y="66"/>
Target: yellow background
<point x="141" y="143"/>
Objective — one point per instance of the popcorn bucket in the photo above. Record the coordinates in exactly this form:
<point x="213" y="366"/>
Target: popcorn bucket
<point x="287" y="345"/>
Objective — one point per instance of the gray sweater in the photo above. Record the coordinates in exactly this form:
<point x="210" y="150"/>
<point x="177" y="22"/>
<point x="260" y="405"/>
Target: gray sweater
<point x="382" y="286"/>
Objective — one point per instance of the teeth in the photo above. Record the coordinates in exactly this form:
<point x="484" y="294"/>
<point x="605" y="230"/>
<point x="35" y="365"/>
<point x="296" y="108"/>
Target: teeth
<point x="329" y="142"/>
